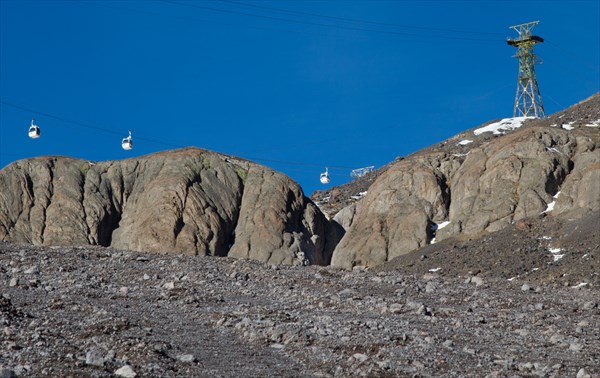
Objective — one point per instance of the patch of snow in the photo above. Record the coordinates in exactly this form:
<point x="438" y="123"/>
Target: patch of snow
<point x="584" y="256"/>
<point x="551" y="207"/>
<point x="534" y="269"/>
<point x="545" y="238"/>
<point x="460" y="155"/>
<point x="325" y="199"/>
<point x="432" y="241"/>
<point x="512" y="278"/>
<point x="359" y="195"/>
<point x="555" y="252"/>
<point x="594" y="124"/>
<point x="553" y="149"/>
<point x="582" y="284"/>
<point x="435" y="269"/>
<point x="568" y="126"/>
<point x="502" y="126"/>
<point x="436" y="227"/>
<point x="464" y="142"/>
<point x="553" y="125"/>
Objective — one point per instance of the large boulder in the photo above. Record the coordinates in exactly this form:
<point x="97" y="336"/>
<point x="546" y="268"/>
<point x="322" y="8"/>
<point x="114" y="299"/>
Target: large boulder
<point x="185" y="201"/>
<point x="395" y="216"/>
<point x="514" y="177"/>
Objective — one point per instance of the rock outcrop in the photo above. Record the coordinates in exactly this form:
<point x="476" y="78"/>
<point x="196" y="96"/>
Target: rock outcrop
<point x="478" y="185"/>
<point x="187" y="201"/>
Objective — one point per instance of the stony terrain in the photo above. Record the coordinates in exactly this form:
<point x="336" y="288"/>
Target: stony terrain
<point x="101" y="312"/>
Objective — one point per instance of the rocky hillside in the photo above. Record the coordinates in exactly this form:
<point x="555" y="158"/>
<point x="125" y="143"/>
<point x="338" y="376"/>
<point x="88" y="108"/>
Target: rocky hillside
<point x="474" y="184"/>
<point x="192" y="201"/>
<point x="187" y="201"/>
<point x="100" y="312"/>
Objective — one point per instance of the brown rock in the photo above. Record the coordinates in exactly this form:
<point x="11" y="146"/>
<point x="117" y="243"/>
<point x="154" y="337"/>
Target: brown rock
<point x="187" y="201"/>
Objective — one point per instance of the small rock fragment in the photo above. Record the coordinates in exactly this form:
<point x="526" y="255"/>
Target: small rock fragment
<point x="125" y="371"/>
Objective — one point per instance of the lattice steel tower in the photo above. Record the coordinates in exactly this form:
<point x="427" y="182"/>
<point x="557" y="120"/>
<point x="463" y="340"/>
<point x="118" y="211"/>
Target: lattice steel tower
<point x="528" y="101"/>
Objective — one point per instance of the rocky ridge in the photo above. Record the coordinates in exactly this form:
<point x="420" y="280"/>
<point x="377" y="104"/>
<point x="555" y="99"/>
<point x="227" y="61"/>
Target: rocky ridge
<point x="474" y="184"/>
<point x="197" y="202"/>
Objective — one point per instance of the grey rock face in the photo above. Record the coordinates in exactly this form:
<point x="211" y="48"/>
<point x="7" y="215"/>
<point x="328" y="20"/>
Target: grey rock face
<point x="510" y="179"/>
<point x="395" y="216"/>
<point x="277" y="224"/>
<point x="499" y="182"/>
<point x="186" y="201"/>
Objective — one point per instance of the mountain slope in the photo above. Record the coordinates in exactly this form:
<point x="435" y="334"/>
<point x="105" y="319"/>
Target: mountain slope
<point x="476" y="183"/>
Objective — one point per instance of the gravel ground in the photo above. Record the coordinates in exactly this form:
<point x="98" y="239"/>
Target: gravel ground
<point x="97" y="312"/>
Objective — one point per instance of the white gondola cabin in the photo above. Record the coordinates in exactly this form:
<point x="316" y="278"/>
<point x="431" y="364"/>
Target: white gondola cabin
<point x="325" y="177"/>
<point x="34" y="131"/>
<point x="127" y="143"/>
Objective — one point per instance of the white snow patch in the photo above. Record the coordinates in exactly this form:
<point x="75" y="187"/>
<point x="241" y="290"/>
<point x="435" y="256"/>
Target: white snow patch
<point x="545" y="238"/>
<point x="582" y="284"/>
<point x="584" y="256"/>
<point x="436" y="227"/>
<point x="460" y="155"/>
<point x="555" y="252"/>
<point x="464" y="142"/>
<point x="594" y="124"/>
<point x="553" y="149"/>
<point x="568" y="126"/>
<point x="359" y="195"/>
<point x="534" y="269"/>
<point x="502" y="126"/>
<point x="435" y="269"/>
<point x="550" y="208"/>
<point x="512" y="278"/>
<point x="432" y="241"/>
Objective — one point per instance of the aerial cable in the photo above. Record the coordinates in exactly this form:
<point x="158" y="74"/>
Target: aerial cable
<point x="578" y="58"/>
<point x="82" y="124"/>
<point x="388" y="32"/>
<point x="132" y="10"/>
<point x="354" y="20"/>
<point x="108" y="131"/>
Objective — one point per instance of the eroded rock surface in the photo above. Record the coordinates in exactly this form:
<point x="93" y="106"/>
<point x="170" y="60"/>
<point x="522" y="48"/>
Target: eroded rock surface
<point x="188" y="201"/>
<point x="474" y="184"/>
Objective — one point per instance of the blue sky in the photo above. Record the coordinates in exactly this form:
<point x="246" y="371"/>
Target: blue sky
<point x="295" y="85"/>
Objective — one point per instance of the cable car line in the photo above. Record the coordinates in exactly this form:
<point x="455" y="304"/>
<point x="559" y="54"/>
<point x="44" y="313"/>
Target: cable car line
<point x="355" y="20"/>
<point x="127" y="144"/>
<point x="108" y="131"/>
<point x="388" y="32"/>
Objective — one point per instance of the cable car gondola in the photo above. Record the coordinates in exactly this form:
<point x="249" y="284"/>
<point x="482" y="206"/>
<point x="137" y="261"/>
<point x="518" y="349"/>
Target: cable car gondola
<point x="34" y="130"/>
<point x="325" y="177"/>
<point x="127" y="143"/>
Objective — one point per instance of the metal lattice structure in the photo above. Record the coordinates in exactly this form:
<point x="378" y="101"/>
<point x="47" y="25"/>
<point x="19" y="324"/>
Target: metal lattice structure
<point x="528" y="101"/>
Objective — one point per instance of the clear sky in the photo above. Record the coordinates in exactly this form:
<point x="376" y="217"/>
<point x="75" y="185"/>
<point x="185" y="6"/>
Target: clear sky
<point x="295" y="85"/>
